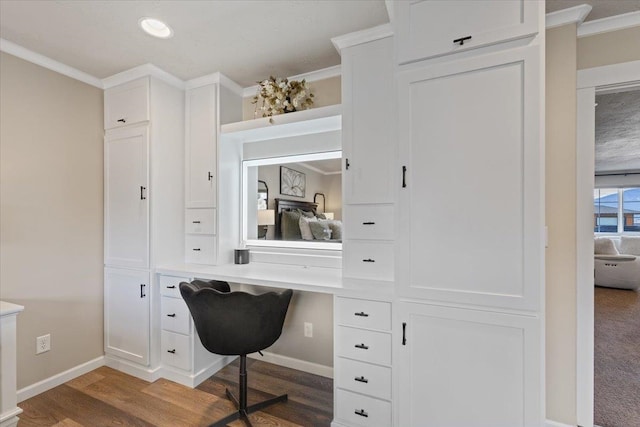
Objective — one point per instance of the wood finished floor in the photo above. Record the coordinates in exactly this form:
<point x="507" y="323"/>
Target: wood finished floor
<point x="106" y="397"/>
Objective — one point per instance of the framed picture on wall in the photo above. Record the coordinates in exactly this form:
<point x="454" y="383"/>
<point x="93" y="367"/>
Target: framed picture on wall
<point x="292" y="182"/>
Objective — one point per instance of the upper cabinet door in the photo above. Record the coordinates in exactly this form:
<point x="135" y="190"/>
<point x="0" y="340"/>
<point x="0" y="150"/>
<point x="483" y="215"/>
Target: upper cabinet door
<point x="126" y="104"/>
<point x="126" y="197"/>
<point x="471" y="206"/>
<point x="428" y="28"/>
<point x="201" y="147"/>
<point x="368" y="123"/>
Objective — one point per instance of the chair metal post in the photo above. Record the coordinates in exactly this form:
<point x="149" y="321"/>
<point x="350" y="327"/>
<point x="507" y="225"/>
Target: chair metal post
<point x="243" y="383"/>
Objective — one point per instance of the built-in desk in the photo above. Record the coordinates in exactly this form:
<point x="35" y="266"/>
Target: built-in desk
<point x="361" y="331"/>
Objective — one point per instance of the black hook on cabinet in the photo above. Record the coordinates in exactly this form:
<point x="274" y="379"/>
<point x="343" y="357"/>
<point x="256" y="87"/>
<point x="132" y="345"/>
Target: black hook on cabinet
<point x="122" y="121"/>
<point x="346" y="164"/>
<point x="461" y="40"/>
<point x="209" y="176"/>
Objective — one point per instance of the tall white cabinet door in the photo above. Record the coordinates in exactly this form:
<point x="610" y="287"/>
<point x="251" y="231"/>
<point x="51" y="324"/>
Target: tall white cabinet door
<point x="464" y="367"/>
<point x="368" y="142"/>
<point x="126" y="314"/>
<point x="201" y="147"/>
<point x="471" y="201"/>
<point x="126" y="197"/>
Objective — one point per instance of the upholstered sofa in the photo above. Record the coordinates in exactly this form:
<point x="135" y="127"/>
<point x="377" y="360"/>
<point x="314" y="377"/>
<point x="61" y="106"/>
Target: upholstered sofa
<point x="617" y="262"/>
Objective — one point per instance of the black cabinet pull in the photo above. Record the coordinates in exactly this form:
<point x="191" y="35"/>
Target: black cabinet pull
<point x="362" y="413"/>
<point x="361" y="314"/>
<point x="209" y="176"/>
<point x="461" y="40"/>
<point x="404" y="176"/>
<point x="368" y="260"/>
<point x="122" y="121"/>
<point x="196" y="222"/>
<point x="171" y="287"/>
<point x="362" y="346"/>
<point x="361" y="379"/>
<point x="368" y="223"/>
<point x="171" y="315"/>
<point x="142" y="294"/>
<point x="196" y="249"/>
<point x="142" y="196"/>
<point x="404" y="333"/>
<point x="346" y="164"/>
<point x="172" y="351"/>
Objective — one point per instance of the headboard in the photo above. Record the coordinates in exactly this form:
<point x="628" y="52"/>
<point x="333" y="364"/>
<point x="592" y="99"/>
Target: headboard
<point x="288" y="205"/>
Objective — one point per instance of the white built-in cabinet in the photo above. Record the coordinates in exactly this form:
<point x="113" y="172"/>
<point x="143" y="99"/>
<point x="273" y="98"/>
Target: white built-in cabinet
<point x="144" y="211"/>
<point x="468" y="320"/>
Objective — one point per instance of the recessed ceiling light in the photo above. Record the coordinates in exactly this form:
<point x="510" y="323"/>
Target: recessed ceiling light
<point x="155" y="28"/>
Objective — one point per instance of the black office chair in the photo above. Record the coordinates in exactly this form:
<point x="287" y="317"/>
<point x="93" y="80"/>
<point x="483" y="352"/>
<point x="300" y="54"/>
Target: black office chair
<point x="236" y="324"/>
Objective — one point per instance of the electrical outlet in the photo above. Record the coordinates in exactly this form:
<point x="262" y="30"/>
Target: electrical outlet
<point x="308" y="330"/>
<point x="43" y="343"/>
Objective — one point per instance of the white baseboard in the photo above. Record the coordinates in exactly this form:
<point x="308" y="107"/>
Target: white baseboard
<point x="61" y="378"/>
<point x="146" y="374"/>
<point x="550" y="423"/>
<point x="193" y="380"/>
<point x="290" y="362"/>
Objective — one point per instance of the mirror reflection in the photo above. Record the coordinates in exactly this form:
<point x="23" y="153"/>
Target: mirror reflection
<point x="294" y="199"/>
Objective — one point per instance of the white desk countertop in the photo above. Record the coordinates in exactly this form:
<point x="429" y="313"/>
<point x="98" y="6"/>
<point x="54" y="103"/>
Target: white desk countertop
<point x="301" y="278"/>
<point x="7" y="308"/>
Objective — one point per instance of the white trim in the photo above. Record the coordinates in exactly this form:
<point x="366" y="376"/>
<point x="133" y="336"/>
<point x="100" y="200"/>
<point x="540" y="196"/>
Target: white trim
<point x="363" y="36"/>
<point x="390" y="12"/>
<point x="142" y="71"/>
<point x="575" y="14"/>
<point x="61" y="378"/>
<point x="193" y="380"/>
<point x="609" y="75"/>
<point x="215" y="78"/>
<point x="612" y="23"/>
<point x="133" y="369"/>
<point x="594" y="80"/>
<point x="290" y="362"/>
<point x="10" y="418"/>
<point x="550" y="423"/>
<point x="312" y="76"/>
<point x="46" y="62"/>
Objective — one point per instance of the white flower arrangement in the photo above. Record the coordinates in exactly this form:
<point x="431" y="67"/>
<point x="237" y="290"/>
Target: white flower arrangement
<point x="281" y="96"/>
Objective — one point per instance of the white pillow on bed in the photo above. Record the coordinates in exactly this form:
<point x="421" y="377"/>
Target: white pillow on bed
<point x="630" y="245"/>
<point x="305" y="230"/>
<point x="604" y="246"/>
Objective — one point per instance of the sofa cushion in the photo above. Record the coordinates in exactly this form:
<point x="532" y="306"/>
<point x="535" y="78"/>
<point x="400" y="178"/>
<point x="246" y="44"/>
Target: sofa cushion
<point x="630" y="245"/>
<point x="604" y="246"/>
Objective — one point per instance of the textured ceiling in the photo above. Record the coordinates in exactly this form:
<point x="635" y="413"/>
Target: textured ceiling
<point x="601" y="8"/>
<point x="618" y="132"/>
<point x="246" y="40"/>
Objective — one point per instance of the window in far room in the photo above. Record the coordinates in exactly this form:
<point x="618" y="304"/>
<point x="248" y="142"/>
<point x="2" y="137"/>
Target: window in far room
<point x="616" y="210"/>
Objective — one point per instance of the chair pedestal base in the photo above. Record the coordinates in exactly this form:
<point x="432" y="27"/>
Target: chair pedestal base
<point x="244" y="410"/>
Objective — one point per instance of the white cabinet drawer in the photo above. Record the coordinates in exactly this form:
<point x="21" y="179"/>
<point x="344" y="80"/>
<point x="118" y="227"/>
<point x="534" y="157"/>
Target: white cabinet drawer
<point x="200" y="249"/>
<point x="369" y="222"/>
<point x="368" y="346"/>
<point x="364" y="378"/>
<point x="200" y="221"/>
<point x="429" y="28"/>
<point x="126" y="104"/>
<point x="176" y="350"/>
<point x="170" y="285"/>
<point x="367" y="260"/>
<point x="175" y="315"/>
<point x="360" y="410"/>
<point x="363" y="313"/>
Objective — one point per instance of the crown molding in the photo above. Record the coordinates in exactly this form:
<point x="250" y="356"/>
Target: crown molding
<point x="363" y="36"/>
<point x="575" y="14"/>
<point x="612" y="23"/>
<point x="215" y="78"/>
<point x="312" y="76"/>
<point x="46" y="62"/>
<point x="142" y="71"/>
<point x="626" y="72"/>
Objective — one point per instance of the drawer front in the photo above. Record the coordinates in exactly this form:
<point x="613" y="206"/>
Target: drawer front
<point x="368" y="346"/>
<point x="363" y="313"/>
<point x="360" y="410"/>
<point x="368" y="260"/>
<point x="200" y="221"/>
<point x="169" y="286"/>
<point x="126" y="104"/>
<point x="175" y="315"/>
<point x="176" y="350"/>
<point x="369" y="222"/>
<point x="200" y="249"/>
<point x="364" y="378"/>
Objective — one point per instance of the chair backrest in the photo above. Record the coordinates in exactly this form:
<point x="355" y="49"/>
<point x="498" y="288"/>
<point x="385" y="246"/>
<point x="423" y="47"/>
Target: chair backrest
<point x="235" y="323"/>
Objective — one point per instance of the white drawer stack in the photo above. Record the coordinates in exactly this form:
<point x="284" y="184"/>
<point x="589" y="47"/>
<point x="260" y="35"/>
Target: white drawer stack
<point x="363" y="362"/>
<point x="176" y="325"/>
<point x="200" y="236"/>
